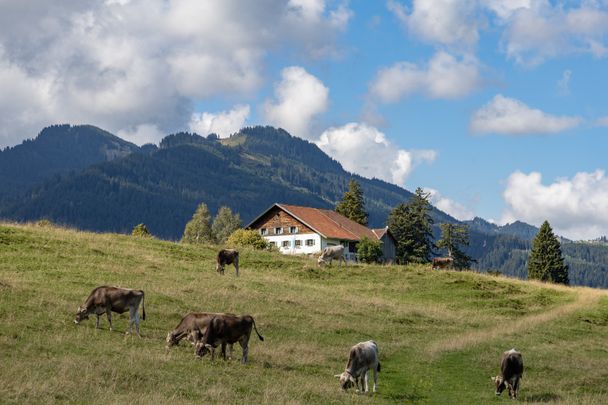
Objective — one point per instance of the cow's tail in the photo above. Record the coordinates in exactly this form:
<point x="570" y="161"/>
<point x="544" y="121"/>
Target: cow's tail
<point x="143" y="306"/>
<point x="378" y="368"/>
<point x="256" y="330"/>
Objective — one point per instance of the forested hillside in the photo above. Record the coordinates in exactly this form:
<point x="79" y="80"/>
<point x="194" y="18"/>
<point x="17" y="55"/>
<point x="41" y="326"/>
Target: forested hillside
<point x="88" y="178"/>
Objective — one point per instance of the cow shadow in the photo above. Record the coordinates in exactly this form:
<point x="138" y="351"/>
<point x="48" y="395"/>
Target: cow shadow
<point x="544" y="397"/>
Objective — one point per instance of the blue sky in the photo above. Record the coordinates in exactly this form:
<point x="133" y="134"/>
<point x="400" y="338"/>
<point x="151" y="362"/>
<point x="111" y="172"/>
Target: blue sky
<point x="498" y="108"/>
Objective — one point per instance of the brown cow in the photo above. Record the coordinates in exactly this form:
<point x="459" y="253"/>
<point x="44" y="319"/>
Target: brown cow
<point x="227" y="329"/>
<point x="192" y="327"/>
<point x="511" y="371"/>
<point x="227" y="256"/>
<point x="113" y="299"/>
<point x="443" y="263"/>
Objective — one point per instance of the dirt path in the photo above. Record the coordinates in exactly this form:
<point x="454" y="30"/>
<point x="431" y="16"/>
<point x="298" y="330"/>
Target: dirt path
<point x="585" y="299"/>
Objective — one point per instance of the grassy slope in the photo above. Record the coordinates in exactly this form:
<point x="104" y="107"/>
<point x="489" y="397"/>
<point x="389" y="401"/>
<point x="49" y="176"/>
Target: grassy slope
<point x="440" y="333"/>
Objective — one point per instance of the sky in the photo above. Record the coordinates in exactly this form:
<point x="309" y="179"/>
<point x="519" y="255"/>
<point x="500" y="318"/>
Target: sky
<point x="498" y="109"/>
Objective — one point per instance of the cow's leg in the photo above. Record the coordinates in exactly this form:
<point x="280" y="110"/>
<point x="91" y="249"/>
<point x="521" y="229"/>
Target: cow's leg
<point x="224" y="351"/>
<point x="97" y="321"/>
<point x="230" y="351"/>
<point x="137" y="322"/>
<point x="236" y="266"/>
<point x="366" y="381"/>
<point x="244" y="342"/>
<point x="109" y="315"/>
<point x="375" y="377"/>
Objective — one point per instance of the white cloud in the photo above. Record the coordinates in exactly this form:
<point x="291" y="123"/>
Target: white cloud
<point x="543" y="31"/>
<point x="444" y="22"/>
<point x="576" y="208"/>
<point x="449" y="206"/>
<point x="300" y="97"/>
<point x="445" y="77"/>
<point x="224" y="123"/>
<point x="505" y="9"/>
<point x="126" y="64"/>
<point x="503" y="115"/>
<point x="365" y="150"/>
<point x="602" y="122"/>
<point x="142" y="134"/>
<point x="563" y="84"/>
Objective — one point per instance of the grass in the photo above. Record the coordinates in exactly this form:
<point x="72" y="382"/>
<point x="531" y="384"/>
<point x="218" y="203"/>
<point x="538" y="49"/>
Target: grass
<point x="440" y="334"/>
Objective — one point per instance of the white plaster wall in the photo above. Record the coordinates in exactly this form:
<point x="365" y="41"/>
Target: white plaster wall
<point x="292" y="249"/>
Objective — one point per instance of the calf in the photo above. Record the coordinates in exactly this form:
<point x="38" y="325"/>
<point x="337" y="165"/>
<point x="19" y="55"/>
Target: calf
<point x="192" y="327"/>
<point x="330" y="253"/>
<point x="443" y="263"/>
<point x="511" y="371"/>
<point x="113" y="299"/>
<point x="227" y="256"/>
<point x="227" y="329"/>
<point x="362" y="357"/>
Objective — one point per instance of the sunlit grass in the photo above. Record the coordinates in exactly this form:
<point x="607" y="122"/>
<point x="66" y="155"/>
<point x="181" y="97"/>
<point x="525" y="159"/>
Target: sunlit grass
<point x="440" y="334"/>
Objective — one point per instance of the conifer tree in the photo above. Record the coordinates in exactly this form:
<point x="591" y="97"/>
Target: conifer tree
<point x="411" y="225"/>
<point x="198" y="230"/>
<point x="352" y="205"/>
<point x="453" y="238"/>
<point x="224" y="224"/>
<point x="546" y="262"/>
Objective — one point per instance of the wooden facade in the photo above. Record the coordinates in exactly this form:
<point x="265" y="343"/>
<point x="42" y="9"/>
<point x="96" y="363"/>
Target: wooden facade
<point x="277" y="218"/>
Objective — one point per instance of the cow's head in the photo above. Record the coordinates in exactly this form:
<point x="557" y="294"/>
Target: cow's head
<point x="202" y="349"/>
<point x="219" y="268"/>
<point x="171" y="340"/>
<point x="500" y="383"/>
<point x="346" y="380"/>
<point x="81" y="315"/>
<point x="320" y="261"/>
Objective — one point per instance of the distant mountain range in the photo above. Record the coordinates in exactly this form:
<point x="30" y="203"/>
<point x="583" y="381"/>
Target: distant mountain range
<point x="91" y="179"/>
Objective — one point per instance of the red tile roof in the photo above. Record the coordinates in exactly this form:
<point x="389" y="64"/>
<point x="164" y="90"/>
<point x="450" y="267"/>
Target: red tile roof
<point x="329" y="223"/>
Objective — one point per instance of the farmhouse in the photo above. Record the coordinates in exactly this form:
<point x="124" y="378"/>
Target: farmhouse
<point x="300" y="230"/>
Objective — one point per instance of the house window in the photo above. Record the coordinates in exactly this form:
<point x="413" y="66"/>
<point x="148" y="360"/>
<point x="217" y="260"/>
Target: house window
<point x="298" y="243"/>
<point x="285" y="243"/>
<point x="263" y="231"/>
<point x="310" y="242"/>
<point x="278" y="231"/>
<point x="293" y="229"/>
<point x="273" y="243"/>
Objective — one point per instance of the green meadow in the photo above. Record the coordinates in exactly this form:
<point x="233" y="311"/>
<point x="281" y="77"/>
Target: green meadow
<point x="440" y="333"/>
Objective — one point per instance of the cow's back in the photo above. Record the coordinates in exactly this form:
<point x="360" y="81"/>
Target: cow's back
<point x="512" y="364"/>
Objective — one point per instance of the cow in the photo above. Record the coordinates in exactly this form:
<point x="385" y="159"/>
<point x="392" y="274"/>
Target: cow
<point x="443" y="263"/>
<point x="330" y="253"/>
<point x="226" y="329"/>
<point x="362" y="357"/>
<point x="113" y="299"/>
<point x="192" y="327"/>
<point x="511" y="372"/>
<point x="227" y="256"/>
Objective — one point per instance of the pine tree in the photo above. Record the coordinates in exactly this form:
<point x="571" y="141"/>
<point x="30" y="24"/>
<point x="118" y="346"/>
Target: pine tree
<point x="546" y="262"/>
<point x="453" y="237"/>
<point x="224" y="224"/>
<point x="411" y="225"/>
<point x="198" y="230"/>
<point x="352" y="205"/>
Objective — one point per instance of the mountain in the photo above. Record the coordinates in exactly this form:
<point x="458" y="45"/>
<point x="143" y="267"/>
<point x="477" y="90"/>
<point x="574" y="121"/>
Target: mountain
<point x="162" y="187"/>
<point x="85" y="177"/>
<point x="57" y="150"/>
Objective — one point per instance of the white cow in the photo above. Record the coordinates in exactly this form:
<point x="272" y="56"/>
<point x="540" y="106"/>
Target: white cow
<point x="362" y="357"/>
<point x="330" y="253"/>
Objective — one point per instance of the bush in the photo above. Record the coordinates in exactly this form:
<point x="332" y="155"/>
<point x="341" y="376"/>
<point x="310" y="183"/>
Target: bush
<point x="247" y="237"/>
<point x="141" y="231"/>
<point x="369" y="251"/>
<point x="44" y="223"/>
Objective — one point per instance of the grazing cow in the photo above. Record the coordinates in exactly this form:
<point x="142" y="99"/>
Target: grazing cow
<point x="511" y="371"/>
<point x="192" y="327"/>
<point x="330" y="253"/>
<point x="362" y="357"/>
<point x="227" y="329"/>
<point x="443" y="263"/>
<point x="227" y="256"/>
<point x="113" y="299"/>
